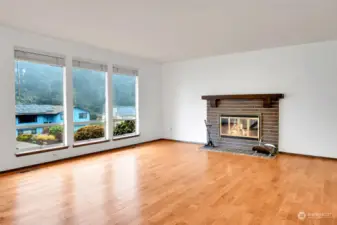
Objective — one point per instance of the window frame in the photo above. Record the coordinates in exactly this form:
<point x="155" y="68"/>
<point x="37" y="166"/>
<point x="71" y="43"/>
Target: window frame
<point x="97" y="67"/>
<point x="40" y="58"/>
<point x="67" y="65"/>
<point x="127" y="71"/>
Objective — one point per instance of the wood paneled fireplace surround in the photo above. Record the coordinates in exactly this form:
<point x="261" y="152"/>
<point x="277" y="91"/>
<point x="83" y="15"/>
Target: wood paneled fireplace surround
<point x="240" y="121"/>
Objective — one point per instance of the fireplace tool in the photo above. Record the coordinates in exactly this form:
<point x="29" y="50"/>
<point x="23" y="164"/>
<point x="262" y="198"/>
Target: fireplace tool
<point x="209" y="139"/>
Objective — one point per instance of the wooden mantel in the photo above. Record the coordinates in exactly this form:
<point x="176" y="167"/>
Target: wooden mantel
<point x="267" y="98"/>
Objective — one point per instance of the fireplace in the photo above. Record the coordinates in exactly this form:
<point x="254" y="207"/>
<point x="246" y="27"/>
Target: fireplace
<point x="239" y="122"/>
<point x="247" y="126"/>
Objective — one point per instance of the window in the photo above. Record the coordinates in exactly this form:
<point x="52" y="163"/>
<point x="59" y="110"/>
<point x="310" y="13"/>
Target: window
<point x="124" y="88"/>
<point x="89" y="101"/>
<point x="27" y="119"/>
<point x="83" y="115"/>
<point x="38" y="95"/>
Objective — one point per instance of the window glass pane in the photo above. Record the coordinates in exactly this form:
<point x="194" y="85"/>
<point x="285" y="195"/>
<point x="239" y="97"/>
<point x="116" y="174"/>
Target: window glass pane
<point x="39" y="101"/>
<point x="89" y="104"/>
<point x="124" y="104"/>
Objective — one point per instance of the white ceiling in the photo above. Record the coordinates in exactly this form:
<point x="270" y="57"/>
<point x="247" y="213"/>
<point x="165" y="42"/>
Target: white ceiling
<point x="170" y="30"/>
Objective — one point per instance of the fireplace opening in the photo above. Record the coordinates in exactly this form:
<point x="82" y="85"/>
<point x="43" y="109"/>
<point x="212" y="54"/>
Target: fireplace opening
<point x="247" y="127"/>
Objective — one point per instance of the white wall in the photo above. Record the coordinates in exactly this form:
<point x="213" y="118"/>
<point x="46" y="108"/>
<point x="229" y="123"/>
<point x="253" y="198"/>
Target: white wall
<point x="306" y="74"/>
<point x="149" y="94"/>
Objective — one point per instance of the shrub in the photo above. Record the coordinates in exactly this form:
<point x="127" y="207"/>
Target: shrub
<point x="89" y="132"/>
<point x="57" y="131"/>
<point x="24" y="137"/>
<point x="44" y="137"/>
<point x="125" y="127"/>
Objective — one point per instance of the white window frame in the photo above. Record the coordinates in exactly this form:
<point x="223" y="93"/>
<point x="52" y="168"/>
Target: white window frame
<point x="43" y="58"/>
<point x="68" y="64"/>
<point x="99" y="67"/>
<point x="127" y="71"/>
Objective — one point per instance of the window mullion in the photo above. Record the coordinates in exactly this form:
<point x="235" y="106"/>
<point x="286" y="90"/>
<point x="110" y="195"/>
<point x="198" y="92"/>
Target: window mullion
<point x="137" y="104"/>
<point x="68" y="103"/>
<point x="108" y="103"/>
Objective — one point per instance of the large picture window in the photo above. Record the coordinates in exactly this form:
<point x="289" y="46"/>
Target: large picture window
<point x="89" y="101"/>
<point x="124" y="95"/>
<point x="41" y="86"/>
<point x="39" y="101"/>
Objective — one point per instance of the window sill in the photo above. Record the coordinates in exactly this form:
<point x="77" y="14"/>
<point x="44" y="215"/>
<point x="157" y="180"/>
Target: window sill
<point x="126" y="136"/>
<point x="89" y="143"/>
<point x="38" y="151"/>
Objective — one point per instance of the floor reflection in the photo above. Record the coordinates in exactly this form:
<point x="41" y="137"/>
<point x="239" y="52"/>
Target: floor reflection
<point x="126" y="187"/>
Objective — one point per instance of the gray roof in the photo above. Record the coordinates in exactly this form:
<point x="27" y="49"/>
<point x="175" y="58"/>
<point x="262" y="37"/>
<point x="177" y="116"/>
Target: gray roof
<point x="38" y="109"/>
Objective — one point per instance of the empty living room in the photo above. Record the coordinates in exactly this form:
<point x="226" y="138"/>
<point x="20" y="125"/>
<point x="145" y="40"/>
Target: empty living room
<point x="154" y="112"/>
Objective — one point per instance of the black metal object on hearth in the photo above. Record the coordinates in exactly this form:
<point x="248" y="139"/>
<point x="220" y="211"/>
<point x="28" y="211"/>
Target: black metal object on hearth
<point x="210" y="143"/>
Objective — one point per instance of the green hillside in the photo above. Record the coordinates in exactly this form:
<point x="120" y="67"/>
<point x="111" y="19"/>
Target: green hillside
<point x="43" y="84"/>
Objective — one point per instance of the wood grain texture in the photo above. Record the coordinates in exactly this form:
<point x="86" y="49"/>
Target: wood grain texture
<point x="169" y="183"/>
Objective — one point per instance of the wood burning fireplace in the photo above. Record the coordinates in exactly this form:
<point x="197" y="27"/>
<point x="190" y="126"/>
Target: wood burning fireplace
<point x="243" y="126"/>
<point x="239" y="122"/>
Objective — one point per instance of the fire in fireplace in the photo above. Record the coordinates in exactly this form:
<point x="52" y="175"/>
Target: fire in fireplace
<point x="240" y="126"/>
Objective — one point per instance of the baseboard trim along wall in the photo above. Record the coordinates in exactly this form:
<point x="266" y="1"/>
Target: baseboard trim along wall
<point x="307" y="156"/>
<point x="285" y="153"/>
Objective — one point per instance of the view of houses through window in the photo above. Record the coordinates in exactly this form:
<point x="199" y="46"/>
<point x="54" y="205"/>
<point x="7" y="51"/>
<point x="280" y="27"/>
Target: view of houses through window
<point x="40" y="106"/>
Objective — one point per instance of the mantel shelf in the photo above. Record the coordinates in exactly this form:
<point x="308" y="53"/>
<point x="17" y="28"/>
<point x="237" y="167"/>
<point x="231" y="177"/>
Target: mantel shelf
<point x="267" y="98"/>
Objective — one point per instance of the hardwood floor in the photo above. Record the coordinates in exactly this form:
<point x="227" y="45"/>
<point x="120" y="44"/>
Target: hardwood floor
<point x="169" y="183"/>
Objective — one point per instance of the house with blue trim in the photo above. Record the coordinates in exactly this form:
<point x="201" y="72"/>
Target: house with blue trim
<point x="45" y="114"/>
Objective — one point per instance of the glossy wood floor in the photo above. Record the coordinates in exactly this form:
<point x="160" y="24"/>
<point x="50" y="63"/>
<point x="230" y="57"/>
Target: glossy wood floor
<point x="169" y="183"/>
